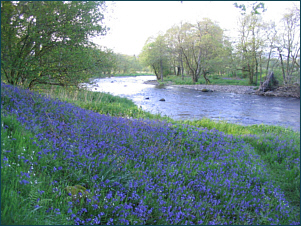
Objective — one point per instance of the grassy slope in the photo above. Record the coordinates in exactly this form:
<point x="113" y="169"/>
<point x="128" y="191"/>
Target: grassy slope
<point x="278" y="148"/>
<point x="261" y="137"/>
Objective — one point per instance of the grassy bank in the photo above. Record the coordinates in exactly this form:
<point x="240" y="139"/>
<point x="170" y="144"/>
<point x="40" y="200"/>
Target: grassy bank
<point x="63" y="164"/>
<point x="215" y="80"/>
<point x="102" y="103"/>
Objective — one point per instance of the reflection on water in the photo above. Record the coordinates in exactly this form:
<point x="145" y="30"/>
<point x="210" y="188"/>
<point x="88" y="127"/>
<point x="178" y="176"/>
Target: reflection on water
<point x="183" y="103"/>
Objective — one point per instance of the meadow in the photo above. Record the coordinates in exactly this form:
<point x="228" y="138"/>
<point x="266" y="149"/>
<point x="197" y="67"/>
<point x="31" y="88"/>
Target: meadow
<point x="78" y="157"/>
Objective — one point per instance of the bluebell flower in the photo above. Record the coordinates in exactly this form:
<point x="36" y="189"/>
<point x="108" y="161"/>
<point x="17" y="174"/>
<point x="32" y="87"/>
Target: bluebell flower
<point x="23" y="181"/>
<point x="5" y="159"/>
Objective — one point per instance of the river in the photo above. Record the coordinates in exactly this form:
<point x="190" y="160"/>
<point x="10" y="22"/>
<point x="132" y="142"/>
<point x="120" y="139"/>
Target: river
<point x="181" y="103"/>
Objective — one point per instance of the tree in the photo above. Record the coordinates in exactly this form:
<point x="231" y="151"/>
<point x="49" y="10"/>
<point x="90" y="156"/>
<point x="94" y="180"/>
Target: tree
<point x="127" y="64"/>
<point x="47" y="42"/>
<point x="226" y="61"/>
<point x="250" y="39"/>
<point x="289" y="44"/>
<point x="201" y="47"/>
<point x="271" y="38"/>
<point x="106" y="61"/>
<point x="155" y="55"/>
<point x="175" y="39"/>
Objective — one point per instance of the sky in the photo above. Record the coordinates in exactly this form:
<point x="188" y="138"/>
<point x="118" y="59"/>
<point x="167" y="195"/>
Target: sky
<point x="132" y="22"/>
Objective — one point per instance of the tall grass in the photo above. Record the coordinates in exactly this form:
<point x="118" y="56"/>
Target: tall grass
<point x="82" y="167"/>
<point x="103" y="103"/>
<point x="27" y="196"/>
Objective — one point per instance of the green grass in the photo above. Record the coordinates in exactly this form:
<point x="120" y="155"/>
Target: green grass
<point x="102" y="103"/>
<point x="19" y="202"/>
<point x="215" y="80"/>
<point x="236" y="129"/>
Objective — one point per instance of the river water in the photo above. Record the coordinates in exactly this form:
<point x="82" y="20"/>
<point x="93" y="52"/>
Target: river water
<point x="181" y="103"/>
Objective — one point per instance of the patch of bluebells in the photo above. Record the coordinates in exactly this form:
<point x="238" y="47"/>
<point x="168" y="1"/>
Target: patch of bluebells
<point x="281" y="152"/>
<point x="177" y="176"/>
<point x="279" y="147"/>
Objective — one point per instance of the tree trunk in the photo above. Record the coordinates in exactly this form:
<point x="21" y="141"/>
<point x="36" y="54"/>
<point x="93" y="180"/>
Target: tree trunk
<point x="194" y="77"/>
<point x="178" y="70"/>
<point x="256" y="71"/>
<point x="270" y="83"/>
<point x="282" y="67"/>
<point x="251" y="72"/>
<point x="156" y="72"/>
<point x="161" y="70"/>
<point x="288" y="77"/>
<point x="182" y="66"/>
<point x="204" y="75"/>
<point x="260" y="68"/>
<point x="198" y="66"/>
<point x="268" y="63"/>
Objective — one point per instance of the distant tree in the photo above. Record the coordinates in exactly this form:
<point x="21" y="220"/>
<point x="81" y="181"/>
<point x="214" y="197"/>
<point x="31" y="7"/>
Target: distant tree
<point x="250" y="27"/>
<point x="155" y="55"/>
<point x="270" y="30"/>
<point x="127" y="64"/>
<point x="175" y="39"/>
<point x="201" y="47"/>
<point x="47" y="42"/>
<point x="289" y="45"/>
<point x="106" y="62"/>
<point x="226" y="60"/>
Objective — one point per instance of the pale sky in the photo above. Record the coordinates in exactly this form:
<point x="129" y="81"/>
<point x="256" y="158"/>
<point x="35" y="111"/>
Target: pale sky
<point x="132" y="22"/>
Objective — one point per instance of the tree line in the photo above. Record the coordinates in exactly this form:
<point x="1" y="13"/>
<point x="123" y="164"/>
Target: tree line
<point x="48" y="42"/>
<point x="202" y="48"/>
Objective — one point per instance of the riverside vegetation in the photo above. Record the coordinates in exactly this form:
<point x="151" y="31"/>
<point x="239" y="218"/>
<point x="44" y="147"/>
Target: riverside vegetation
<point x="214" y="80"/>
<point x="80" y="157"/>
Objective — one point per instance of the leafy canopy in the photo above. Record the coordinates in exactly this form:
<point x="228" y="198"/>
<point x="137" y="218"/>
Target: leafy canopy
<point x="47" y="42"/>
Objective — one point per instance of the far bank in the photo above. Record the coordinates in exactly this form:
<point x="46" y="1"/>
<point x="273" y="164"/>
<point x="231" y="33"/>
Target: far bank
<point x="282" y="91"/>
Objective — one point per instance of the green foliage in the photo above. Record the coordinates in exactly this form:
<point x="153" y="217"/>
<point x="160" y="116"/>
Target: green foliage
<point x="104" y="62"/>
<point x="154" y="55"/>
<point x="127" y="64"/>
<point x="202" y="49"/>
<point x="46" y="42"/>
<point x="255" y="8"/>
<point x="21" y="203"/>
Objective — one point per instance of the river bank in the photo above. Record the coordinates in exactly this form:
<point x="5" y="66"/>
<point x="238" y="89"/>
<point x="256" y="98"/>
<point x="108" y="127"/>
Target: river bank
<point x="282" y="91"/>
